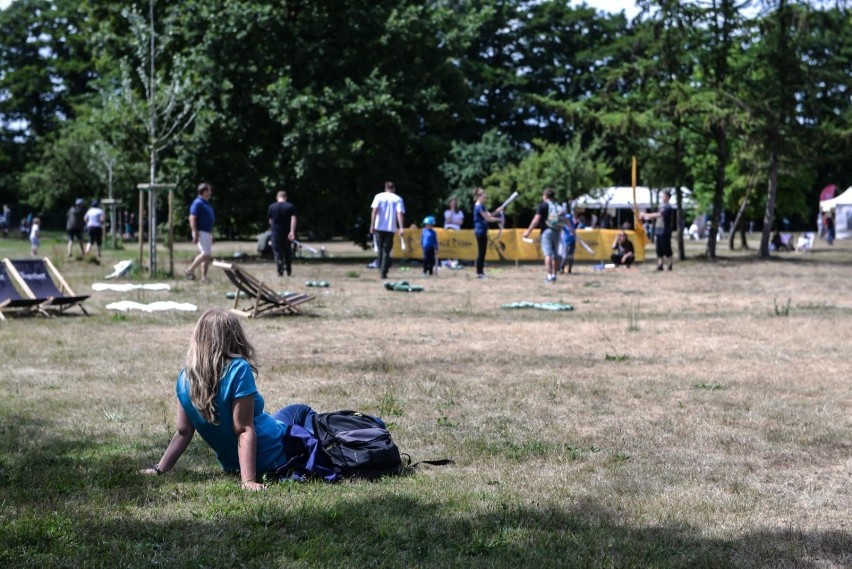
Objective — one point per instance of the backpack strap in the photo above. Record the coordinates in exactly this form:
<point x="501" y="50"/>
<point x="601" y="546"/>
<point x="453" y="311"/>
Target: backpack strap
<point x="437" y="462"/>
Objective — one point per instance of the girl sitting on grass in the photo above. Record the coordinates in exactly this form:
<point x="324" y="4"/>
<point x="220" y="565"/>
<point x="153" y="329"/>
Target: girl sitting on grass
<point x="217" y="397"/>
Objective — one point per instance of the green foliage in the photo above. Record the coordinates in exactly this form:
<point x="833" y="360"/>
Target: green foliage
<point x="329" y="100"/>
<point x="571" y="170"/>
<point x="468" y="164"/>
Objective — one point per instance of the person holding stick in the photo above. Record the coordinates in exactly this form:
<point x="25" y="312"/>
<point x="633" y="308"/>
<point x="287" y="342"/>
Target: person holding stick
<point x="386" y="219"/>
<point x="568" y="245"/>
<point x="548" y="217"/>
<point x="481" y="218"/>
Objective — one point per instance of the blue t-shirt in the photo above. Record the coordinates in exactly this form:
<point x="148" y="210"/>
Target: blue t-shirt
<point x="203" y="212"/>
<point x="480" y="226"/>
<point x="568" y="236"/>
<point x="428" y="239"/>
<point x="237" y="382"/>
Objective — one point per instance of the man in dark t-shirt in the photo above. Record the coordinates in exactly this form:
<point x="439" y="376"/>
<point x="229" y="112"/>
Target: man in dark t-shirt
<point x="282" y="224"/>
<point x="663" y="229"/>
<point x="74" y="226"/>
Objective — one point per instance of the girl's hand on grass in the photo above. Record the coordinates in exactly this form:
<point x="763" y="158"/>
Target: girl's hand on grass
<point x="253" y="486"/>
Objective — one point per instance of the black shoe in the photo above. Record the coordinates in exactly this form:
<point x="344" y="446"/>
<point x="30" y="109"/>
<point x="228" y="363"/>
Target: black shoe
<point x="670" y="267"/>
<point x="659" y="267"/>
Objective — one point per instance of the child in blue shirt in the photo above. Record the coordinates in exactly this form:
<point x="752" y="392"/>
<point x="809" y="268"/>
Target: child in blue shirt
<point x="429" y="244"/>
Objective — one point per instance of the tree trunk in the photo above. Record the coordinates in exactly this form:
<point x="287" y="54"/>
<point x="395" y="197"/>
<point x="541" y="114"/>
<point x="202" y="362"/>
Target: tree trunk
<point x="719" y="189"/>
<point x="739" y="223"/>
<point x="681" y="248"/>
<point x="769" y="216"/>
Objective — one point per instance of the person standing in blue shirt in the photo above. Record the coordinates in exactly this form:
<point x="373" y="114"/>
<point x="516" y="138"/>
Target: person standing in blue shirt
<point x="569" y="243"/>
<point x="429" y="244"/>
<point x="201" y="220"/>
<point x="218" y="397"/>
<point x="481" y="218"/>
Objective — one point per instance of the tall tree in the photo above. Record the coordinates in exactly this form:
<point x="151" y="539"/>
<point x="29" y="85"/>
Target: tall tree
<point x="46" y="69"/>
<point x="774" y="80"/>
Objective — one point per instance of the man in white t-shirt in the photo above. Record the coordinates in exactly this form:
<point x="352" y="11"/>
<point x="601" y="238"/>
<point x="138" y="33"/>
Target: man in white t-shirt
<point x="386" y="219"/>
<point x="94" y="219"/>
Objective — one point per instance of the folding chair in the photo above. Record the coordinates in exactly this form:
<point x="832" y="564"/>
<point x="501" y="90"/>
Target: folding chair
<point x="35" y="277"/>
<point x="263" y="301"/>
<point x="11" y="300"/>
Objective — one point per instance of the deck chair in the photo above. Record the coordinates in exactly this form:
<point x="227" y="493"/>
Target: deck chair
<point x="262" y="300"/>
<point x="12" y="301"/>
<point x="35" y="278"/>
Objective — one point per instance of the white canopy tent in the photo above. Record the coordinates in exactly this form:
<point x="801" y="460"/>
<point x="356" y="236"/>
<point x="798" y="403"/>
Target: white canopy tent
<point x="842" y="206"/>
<point x="618" y="197"/>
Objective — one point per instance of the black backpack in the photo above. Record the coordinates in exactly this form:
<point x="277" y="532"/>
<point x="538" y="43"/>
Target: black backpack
<point x="360" y="446"/>
<point x="356" y="444"/>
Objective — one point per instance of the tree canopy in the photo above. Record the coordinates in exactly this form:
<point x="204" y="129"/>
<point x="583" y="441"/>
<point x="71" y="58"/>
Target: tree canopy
<point x="745" y="102"/>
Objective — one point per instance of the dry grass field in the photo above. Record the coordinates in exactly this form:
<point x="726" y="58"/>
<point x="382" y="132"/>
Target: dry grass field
<point x="694" y="418"/>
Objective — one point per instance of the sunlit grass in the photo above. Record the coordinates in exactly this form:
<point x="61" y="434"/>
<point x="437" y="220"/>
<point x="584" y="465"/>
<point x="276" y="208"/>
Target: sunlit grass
<point x="696" y="418"/>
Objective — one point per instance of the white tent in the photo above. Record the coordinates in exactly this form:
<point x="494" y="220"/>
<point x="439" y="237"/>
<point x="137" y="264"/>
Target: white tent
<point x="617" y="197"/>
<point x="842" y="206"/>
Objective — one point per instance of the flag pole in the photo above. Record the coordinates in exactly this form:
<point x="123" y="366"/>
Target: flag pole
<point x="638" y="227"/>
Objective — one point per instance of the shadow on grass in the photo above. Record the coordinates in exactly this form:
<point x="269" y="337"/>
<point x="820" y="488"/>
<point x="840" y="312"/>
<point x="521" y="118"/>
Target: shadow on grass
<point x="74" y="503"/>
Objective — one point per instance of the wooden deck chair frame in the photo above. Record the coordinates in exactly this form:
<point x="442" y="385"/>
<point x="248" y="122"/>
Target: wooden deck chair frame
<point x="262" y="300"/>
<point x="14" y="303"/>
<point x="50" y="305"/>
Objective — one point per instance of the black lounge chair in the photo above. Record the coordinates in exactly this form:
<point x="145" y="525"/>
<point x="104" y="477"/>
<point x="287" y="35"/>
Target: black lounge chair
<point x="262" y="300"/>
<point x="11" y="300"/>
<point x="35" y="278"/>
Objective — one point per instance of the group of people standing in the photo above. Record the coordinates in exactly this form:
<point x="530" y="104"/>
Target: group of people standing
<point x="557" y="225"/>
<point x="558" y="232"/>
<point x="78" y="220"/>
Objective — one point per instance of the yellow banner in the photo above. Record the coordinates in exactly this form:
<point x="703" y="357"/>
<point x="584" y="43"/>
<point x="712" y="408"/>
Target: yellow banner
<point x="508" y="245"/>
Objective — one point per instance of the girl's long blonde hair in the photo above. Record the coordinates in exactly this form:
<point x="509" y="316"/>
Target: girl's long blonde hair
<point x="217" y="339"/>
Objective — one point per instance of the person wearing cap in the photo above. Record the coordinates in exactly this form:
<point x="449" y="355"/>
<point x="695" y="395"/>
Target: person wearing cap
<point x="94" y="219"/>
<point x="201" y="220"/>
<point x="429" y="244"/>
<point x="74" y="226"/>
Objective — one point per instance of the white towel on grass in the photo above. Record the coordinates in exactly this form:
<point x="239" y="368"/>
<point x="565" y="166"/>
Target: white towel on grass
<point x="163" y="305"/>
<point x="124" y="287"/>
